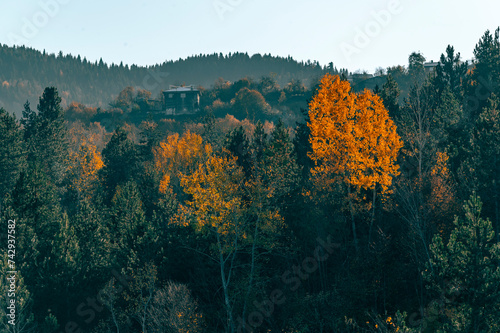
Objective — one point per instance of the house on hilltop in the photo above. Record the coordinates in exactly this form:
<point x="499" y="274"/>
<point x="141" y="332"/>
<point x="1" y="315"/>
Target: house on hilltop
<point x="181" y="100"/>
<point x="430" y="67"/>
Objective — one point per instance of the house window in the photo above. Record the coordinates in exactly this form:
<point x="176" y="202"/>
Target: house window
<point x="183" y="95"/>
<point x="170" y="95"/>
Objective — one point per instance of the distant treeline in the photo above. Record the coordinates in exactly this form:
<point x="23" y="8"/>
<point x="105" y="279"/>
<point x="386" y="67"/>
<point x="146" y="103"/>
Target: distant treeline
<point x="25" y="72"/>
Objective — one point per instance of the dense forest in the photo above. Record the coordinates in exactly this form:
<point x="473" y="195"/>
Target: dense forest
<point x="293" y="202"/>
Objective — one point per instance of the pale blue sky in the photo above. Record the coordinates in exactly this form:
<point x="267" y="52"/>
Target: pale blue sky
<point x="148" y="32"/>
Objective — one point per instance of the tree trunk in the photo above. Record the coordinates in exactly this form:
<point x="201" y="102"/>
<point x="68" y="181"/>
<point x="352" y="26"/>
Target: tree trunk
<point x="252" y="268"/>
<point x="353" y="222"/>
<point x="373" y="215"/>
<point x="225" y="288"/>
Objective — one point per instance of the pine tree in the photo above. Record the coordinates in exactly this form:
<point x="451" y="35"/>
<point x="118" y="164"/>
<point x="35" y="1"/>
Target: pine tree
<point x="485" y="76"/>
<point x="482" y="165"/>
<point x="238" y="145"/>
<point x="91" y="228"/>
<point x="121" y="161"/>
<point x="447" y="116"/>
<point x="45" y="135"/>
<point x="47" y="249"/>
<point x="451" y="73"/>
<point x="36" y="203"/>
<point x="465" y="271"/>
<point x="135" y="239"/>
<point x="280" y="171"/>
<point x="150" y="139"/>
<point x="59" y="290"/>
<point x="303" y="147"/>
<point x="11" y="152"/>
<point x="209" y="129"/>
<point x="390" y="97"/>
<point x="259" y="143"/>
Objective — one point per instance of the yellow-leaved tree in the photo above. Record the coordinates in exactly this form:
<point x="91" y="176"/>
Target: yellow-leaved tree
<point x="83" y="170"/>
<point x="354" y="140"/>
<point x="179" y="155"/>
<point x="219" y="201"/>
<point x="216" y="189"/>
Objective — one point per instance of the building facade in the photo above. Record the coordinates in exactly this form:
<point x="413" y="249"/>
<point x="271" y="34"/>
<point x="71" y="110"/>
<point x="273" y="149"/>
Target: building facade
<point x="181" y="100"/>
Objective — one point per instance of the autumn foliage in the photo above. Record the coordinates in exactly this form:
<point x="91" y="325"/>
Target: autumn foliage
<point x="216" y="223"/>
<point x="352" y="135"/>
<point x="215" y="188"/>
<point x="179" y="155"/>
<point x="84" y="169"/>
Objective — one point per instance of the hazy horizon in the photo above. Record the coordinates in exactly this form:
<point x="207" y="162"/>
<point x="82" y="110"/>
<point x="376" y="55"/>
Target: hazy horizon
<point x="356" y="36"/>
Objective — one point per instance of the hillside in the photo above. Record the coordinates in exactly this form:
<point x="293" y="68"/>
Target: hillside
<point x="261" y="203"/>
<point x="25" y="72"/>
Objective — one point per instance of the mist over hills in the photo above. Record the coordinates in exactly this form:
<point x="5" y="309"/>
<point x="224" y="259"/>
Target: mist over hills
<point x="25" y="72"/>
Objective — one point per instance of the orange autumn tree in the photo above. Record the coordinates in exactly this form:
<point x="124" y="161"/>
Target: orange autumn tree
<point x="83" y="170"/>
<point x="353" y="139"/>
<point x="179" y="155"/>
<point x="216" y="207"/>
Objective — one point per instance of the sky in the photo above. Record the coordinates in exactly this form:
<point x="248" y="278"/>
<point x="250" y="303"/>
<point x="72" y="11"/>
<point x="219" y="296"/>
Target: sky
<point x="357" y="34"/>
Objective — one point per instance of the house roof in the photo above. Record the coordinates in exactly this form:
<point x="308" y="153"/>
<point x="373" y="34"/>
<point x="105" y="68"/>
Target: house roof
<point x="181" y="89"/>
<point x="431" y="64"/>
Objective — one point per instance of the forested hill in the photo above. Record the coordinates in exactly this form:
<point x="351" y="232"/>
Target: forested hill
<point x="25" y="72"/>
